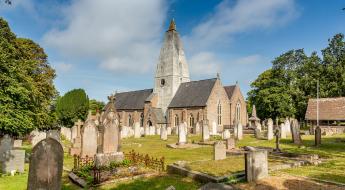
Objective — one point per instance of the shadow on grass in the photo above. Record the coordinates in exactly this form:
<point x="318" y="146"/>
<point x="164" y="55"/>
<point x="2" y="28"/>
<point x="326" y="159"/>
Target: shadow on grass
<point x="158" y="183"/>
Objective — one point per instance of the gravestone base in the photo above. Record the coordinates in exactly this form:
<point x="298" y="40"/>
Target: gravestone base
<point x="106" y="159"/>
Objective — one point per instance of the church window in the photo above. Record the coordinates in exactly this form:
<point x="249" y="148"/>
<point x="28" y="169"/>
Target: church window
<point x="162" y="82"/>
<point x="191" y="120"/>
<point x="219" y="113"/>
<point x="176" y="120"/>
<point x="238" y="112"/>
<point x="142" y="119"/>
<point x="129" y="120"/>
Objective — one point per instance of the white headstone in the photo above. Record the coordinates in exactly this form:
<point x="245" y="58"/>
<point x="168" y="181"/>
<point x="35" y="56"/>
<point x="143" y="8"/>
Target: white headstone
<point x="168" y="130"/>
<point x="269" y="129"/>
<point x="163" y="133"/>
<point x="182" y="136"/>
<point x="37" y="137"/>
<point x="74" y="132"/>
<point x="205" y="132"/>
<point x="226" y="134"/>
<point x="196" y="129"/>
<point x="152" y="130"/>
<point x="287" y="126"/>
<point x="137" y="130"/>
<point x="214" y="128"/>
<point x="142" y="130"/>
<point x="282" y="131"/>
<point x="239" y="134"/>
<point x="147" y="130"/>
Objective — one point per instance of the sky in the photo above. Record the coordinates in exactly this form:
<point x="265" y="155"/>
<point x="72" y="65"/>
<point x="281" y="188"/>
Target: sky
<point x="105" y="46"/>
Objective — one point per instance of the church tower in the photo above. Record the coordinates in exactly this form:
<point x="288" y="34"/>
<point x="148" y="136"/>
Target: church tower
<point x="172" y="68"/>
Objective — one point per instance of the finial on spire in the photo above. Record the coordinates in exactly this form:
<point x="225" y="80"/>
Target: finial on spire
<point x="172" y="25"/>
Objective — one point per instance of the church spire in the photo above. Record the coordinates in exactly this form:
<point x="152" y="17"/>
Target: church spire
<point x="172" y="25"/>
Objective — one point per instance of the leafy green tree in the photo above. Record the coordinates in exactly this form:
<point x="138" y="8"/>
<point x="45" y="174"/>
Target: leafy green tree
<point x="26" y="84"/>
<point x="96" y="106"/>
<point x="72" y="106"/>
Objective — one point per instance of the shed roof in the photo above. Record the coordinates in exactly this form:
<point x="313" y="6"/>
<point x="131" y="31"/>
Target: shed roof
<point x="329" y="109"/>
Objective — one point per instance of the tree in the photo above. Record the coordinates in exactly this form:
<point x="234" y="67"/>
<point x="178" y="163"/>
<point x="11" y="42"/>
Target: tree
<point x="26" y="84"/>
<point x="72" y="106"/>
<point x="96" y="105"/>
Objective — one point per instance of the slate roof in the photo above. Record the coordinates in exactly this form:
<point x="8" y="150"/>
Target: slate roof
<point x="193" y="94"/>
<point x="132" y="100"/>
<point x="230" y="90"/>
<point x="329" y="109"/>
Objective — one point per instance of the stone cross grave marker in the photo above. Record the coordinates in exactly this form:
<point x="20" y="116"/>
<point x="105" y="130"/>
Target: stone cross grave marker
<point x="46" y="162"/>
<point x="277" y="135"/>
<point x="219" y="150"/>
<point x="89" y="139"/>
<point x="256" y="165"/>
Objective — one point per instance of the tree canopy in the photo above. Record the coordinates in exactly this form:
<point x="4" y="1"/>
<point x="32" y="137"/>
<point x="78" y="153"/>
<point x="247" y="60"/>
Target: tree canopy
<point x="72" y="106"/>
<point x="26" y="84"/>
<point x="96" y="106"/>
<point x="284" y="89"/>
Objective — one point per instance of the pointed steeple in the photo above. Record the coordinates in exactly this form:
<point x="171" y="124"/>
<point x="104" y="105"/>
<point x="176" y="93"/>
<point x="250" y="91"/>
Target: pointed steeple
<point x="172" y="25"/>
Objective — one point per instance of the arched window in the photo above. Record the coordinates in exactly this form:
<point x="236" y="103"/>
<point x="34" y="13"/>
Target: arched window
<point x="238" y="112"/>
<point x="129" y="120"/>
<point x="176" y="120"/>
<point x="141" y="119"/>
<point x="191" y="120"/>
<point x="219" y="113"/>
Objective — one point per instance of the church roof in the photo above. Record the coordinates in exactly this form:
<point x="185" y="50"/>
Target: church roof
<point x="132" y="100"/>
<point x="193" y="94"/>
<point x="230" y="90"/>
<point x="158" y="112"/>
<point x="329" y="109"/>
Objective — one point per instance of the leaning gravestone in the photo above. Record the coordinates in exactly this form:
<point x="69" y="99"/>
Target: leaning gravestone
<point x="182" y="136"/>
<point x="295" y="130"/>
<point x="205" y="132"/>
<point x="89" y="139"/>
<point x="6" y="144"/>
<point x="219" y="151"/>
<point x="269" y="129"/>
<point x="137" y="130"/>
<point x="163" y="133"/>
<point x="46" y="164"/>
<point x="13" y="160"/>
<point x="256" y="165"/>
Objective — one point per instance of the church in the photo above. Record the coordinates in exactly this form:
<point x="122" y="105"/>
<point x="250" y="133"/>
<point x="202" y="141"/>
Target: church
<point x="176" y="99"/>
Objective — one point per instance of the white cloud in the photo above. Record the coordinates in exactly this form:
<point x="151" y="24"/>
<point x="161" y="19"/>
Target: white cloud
<point x="204" y="63"/>
<point x="121" y="35"/>
<point x="62" y="67"/>
<point x="231" y="18"/>
<point x="250" y="59"/>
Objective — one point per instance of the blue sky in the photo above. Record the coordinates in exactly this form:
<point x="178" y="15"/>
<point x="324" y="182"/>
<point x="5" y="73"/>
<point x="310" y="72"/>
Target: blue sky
<point x="106" y="46"/>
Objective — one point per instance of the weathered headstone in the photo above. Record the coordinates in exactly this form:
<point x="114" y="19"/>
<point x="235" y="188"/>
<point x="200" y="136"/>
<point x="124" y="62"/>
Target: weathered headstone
<point x="182" y="136"/>
<point x="230" y="143"/>
<point x="46" y="164"/>
<point x="226" y="134"/>
<point x="258" y="126"/>
<point x="89" y="139"/>
<point x="269" y="129"/>
<point x="205" y="132"/>
<point x="239" y="131"/>
<point x="106" y="159"/>
<point x="74" y="132"/>
<point x="67" y="133"/>
<point x="76" y="146"/>
<point x="6" y="144"/>
<point x="282" y="131"/>
<point x="13" y="160"/>
<point x="163" y="133"/>
<point x="147" y="130"/>
<point x="168" y="130"/>
<point x="55" y="134"/>
<point x="295" y="130"/>
<point x="142" y="130"/>
<point x="214" y="128"/>
<point x="287" y="126"/>
<point x="152" y="130"/>
<point x="111" y="134"/>
<point x="157" y="130"/>
<point x="17" y="143"/>
<point x="317" y="136"/>
<point x="219" y="150"/>
<point x="37" y="136"/>
<point x="137" y="130"/>
<point x="257" y="133"/>
<point x="196" y="128"/>
<point x="256" y="165"/>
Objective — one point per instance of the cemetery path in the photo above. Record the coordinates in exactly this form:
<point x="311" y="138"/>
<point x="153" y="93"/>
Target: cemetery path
<point x="288" y="182"/>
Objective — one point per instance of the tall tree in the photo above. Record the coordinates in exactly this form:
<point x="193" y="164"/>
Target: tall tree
<point x="72" y="106"/>
<point x="26" y="84"/>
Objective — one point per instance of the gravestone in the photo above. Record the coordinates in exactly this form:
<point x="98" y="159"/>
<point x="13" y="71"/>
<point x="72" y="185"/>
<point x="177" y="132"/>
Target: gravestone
<point x="17" y="143"/>
<point x="147" y="131"/>
<point x="287" y="126"/>
<point x="295" y="131"/>
<point x="258" y="126"/>
<point x="46" y="164"/>
<point x="219" y="150"/>
<point x="282" y="131"/>
<point x="317" y="136"/>
<point x="205" y="132"/>
<point x="142" y="131"/>
<point x="157" y="130"/>
<point x="256" y="165"/>
<point x="37" y="136"/>
<point x="76" y="146"/>
<point x="269" y="129"/>
<point x="74" y="132"/>
<point x="168" y="130"/>
<point x="226" y="134"/>
<point x="67" y="133"/>
<point x="137" y="130"/>
<point x="182" y="135"/>
<point x="257" y="133"/>
<point x="6" y="144"/>
<point x="239" y="131"/>
<point x="110" y="135"/>
<point x="230" y="143"/>
<point x="163" y="133"/>
<point x="214" y="128"/>
<point x="13" y="160"/>
<point x="196" y="128"/>
<point x="277" y="135"/>
<point x="152" y="130"/>
<point x="89" y="139"/>
<point x="55" y="134"/>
